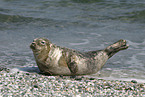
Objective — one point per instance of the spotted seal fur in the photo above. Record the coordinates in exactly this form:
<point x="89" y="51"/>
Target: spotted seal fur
<point x="56" y="60"/>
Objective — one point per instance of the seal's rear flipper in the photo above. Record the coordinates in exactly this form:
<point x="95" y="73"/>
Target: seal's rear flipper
<point x="116" y="47"/>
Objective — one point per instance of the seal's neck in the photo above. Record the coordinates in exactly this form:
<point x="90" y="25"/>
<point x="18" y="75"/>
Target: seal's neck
<point x="42" y="55"/>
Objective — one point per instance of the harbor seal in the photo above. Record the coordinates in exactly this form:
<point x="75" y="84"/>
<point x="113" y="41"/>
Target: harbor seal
<point x="56" y="60"/>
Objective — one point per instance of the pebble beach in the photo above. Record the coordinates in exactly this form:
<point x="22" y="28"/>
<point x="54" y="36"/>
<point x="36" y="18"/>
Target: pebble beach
<point x="27" y="84"/>
<point x="83" y="25"/>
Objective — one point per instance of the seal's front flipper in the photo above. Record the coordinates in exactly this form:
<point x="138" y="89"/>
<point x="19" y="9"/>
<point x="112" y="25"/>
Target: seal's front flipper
<point x="116" y="47"/>
<point x="73" y="67"/>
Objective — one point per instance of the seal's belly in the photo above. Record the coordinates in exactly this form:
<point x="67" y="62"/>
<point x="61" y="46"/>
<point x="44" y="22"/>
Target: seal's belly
<point x="60" y="71"/>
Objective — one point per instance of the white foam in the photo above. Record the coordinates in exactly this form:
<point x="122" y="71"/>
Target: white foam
<point x="14" y="70"/>
<point x="33" y="69"/>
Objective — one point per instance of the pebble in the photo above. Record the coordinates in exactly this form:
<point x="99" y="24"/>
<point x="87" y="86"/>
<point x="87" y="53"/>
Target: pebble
<point x="32" y="84"/>
<point x="133" y="81"/>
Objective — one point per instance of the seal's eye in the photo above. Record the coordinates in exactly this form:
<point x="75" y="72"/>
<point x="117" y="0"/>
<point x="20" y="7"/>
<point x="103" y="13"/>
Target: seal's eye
<point x="43" y="42"/>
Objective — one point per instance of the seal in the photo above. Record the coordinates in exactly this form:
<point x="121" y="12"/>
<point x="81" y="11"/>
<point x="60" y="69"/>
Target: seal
<point x="56" y="60"/>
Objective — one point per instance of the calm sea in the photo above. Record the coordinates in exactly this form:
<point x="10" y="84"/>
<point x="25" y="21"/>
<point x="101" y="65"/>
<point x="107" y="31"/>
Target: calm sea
<point x="78" y="24"/>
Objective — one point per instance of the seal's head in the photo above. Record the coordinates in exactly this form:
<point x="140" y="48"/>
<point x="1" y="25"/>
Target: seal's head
<point x="40" y="45"/>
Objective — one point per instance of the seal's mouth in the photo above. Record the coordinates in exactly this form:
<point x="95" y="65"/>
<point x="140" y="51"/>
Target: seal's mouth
<point x="33" y="46"/>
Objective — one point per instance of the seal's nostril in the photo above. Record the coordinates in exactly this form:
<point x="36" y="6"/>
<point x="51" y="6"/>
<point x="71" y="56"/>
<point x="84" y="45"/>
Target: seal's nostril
<point x="33" y="43"/>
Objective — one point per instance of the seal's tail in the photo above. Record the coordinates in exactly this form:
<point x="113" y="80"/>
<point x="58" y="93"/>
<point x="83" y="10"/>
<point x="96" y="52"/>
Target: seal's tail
<point x="116" y="47"/>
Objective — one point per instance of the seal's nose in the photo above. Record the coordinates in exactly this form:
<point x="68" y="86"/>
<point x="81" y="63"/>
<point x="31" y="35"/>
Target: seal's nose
<point x="33" y="45"/>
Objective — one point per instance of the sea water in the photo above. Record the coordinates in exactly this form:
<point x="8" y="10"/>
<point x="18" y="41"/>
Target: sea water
<point x="83" y="25"/>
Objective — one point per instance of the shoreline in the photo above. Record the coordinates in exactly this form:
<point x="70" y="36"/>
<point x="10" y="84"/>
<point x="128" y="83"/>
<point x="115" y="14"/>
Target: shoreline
<point x="33" y="84"/>
<point x="121" y="79"/>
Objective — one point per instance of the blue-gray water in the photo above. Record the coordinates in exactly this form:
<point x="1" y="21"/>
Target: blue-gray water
<point x="78" y="24"/>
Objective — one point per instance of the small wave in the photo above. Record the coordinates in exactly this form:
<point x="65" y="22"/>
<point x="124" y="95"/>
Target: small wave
<point x="96" y="34"/>
<point x="134" y="60"/>
<point x="86" y="41"/>
<point x="14" y="18"/>
<point x="135" y="44"/>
